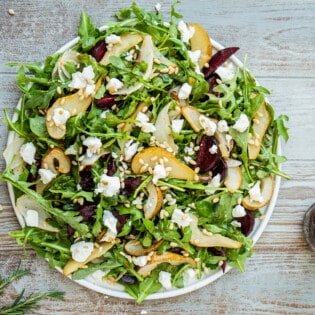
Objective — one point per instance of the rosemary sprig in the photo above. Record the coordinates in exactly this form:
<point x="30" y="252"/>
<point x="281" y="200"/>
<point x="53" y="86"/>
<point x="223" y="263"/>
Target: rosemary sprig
<point x="21" y="304"/>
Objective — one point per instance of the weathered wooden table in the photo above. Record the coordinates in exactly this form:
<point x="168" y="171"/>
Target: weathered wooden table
<point x="279" y="38"/>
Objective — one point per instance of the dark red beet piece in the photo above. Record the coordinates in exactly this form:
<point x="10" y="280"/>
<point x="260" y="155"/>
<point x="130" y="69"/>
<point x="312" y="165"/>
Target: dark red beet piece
<point x="247" y="222"/>
<point x="106" y="102"/>
<point x="86" y="179"/>
<point x="206" y="160"/>
<point x="87" y="210"/>
<point x="98" y="51"/>
<point x="111" y="167"/>
<point x="131" y="184"/>
<point x="220" y="167"/>
<point x="218" y="59"/>
<point x="212" y="82"/>
<point x="121" y="218"/>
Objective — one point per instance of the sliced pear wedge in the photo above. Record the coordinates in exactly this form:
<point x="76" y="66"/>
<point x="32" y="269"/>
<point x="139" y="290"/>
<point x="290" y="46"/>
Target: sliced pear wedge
<point x="201" y="41"/>
<point x="163" y="133"/>
<point x="260" y="125"/>
<point x="267" y="187"/>
<point x="127" y="41"/>
<point x="233" y="179"/>
<point x="74" y="104"/>
<point x="56" y="161"/>
<point x="154" y="201"/>
<point x="192" y="115"/>
<point x="99" y="250"/>
<point x="135" y="248"/>
<point x="166" y="257"/>
<point x="27" y="206"/>
<point x="150" y="156"/>
<point x="201" y="239"/>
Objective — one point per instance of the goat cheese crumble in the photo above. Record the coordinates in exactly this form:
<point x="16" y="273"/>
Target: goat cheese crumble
<point x="165" y="279"/>
<point x="186" y="32"/>
<point x="93" y="145"/>
<point x="110" y="222"/>
<point x="180" y="218"/>
<point x="208" y="125"/>
<point x="238" y="211"/>
<point x="84" y="80"/>
<point x="184" y="91"/>
<point x="80" y="251"/>
<point x="113" y="85"/>
<point x="46" y="176"/>
<point x="255" y="193"/>
<point x="242" y="123"/>
<point x="27" y="152"/>
<point x="108" y="186"/>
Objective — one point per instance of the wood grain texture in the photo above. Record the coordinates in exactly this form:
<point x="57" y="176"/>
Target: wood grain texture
<point x="279" y="38"/>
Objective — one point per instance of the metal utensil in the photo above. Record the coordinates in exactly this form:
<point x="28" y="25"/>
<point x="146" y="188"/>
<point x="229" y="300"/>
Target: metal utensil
<point x="309" y="226"/>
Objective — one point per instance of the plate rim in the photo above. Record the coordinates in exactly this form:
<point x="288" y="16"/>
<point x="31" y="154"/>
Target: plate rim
<point x="162" y="294"/>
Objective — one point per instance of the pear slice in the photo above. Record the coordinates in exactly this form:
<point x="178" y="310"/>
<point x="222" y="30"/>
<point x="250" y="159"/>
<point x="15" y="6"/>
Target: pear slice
<point x="149" y="157"/>
<point x="99" y="250"/>
<point x="201" y="41"/>
<point x="260" y="125"/>
<point x="74" y="104"/>
<point x="267" y="187"/>
<point x="24" y="204"/>
<point x="56" y="161"/>
<point x="127" y="41"/>
<point x="201" y="239"/>
<point x="166" y="257"/>
<point x="163" y="133"/>
<point x="192" y="115"/>
<point x="135" y="248"/>
<point x="233" y="179"/>
<point x="154" y="201"/>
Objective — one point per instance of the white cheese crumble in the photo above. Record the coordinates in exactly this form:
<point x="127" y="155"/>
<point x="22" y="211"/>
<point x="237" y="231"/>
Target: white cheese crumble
<point x="159" y="171"/>
<point x="177" y="125"/>
<point x="213" y="149"/>
<point x="255" y="193"/>
<point x="186" y="32"/>
<point x="143" y="122"/>
<point x="60" y="116"/>
<point x="113" y="85"/>
<point x="110" y="222"/>
<point x="130" y="149"/>
<point x="184" y="91"/>
<point x="242" y="123"/>
<point x="158" y="7"/>
<point x="238" y="211"/>
<point x="214" y="183"/>
<point x="165" y="279"/>
<point x="93" y="145"/>
<point x="236" y="224"/>
<point x="32" y="218"/>
<point x="189" y="275"/>
<point x="223" y="126"/>
<point x="27" y="152"/>
<point x="208" y="125"/>
<point x="46" y="176"/>
<point x="71" y="150"/>
<point x="80" y="251"/>
<point x="180" y="218"/>
<point x="108" y="185"/>
<point x="84" y="80"/>
<point x="113" y="39"/>
<point x="226" y="71"/>
<point x="141" y="260"/>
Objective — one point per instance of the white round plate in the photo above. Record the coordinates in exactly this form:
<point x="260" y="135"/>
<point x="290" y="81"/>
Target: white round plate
<point x="118" y="290"/>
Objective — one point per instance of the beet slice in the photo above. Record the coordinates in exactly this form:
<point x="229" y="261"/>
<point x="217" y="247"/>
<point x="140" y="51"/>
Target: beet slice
<point x="106" y="102"/>
<point x="131" y="184"/>
<point x="111" y="167"/>
<point x="220" y="167"/>
<point x="87" y="210"/>
<point x="247" y="222"/>
<point x="98" y="51"/>
<point x="86" y="179"/>
<point x="218" y="59"/>
<point x="206" y="160"/>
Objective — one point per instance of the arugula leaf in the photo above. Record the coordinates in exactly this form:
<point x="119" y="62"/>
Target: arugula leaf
<point x="87" y="32"/>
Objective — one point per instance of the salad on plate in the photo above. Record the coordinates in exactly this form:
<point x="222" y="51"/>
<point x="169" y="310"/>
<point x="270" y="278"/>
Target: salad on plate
<point x="141" y="156"/>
